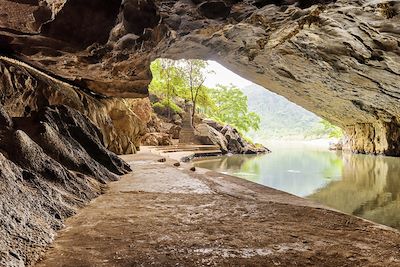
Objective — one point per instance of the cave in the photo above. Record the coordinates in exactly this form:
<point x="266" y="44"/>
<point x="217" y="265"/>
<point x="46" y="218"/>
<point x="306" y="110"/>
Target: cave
<point x="74" y="83"/>
<point x="286" y="50"/>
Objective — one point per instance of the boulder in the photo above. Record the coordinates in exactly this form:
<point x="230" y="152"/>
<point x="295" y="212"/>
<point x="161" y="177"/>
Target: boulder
<point x="174" y="131"/>
<point x="227" y="138"/>
<point x="156" y="139"/>
<point x="214" y="124"/>
<point x="238" y="145"/>
<point x="207" y="135"/>
<point x="235" y="141"/>
<point x="255" y="149"/>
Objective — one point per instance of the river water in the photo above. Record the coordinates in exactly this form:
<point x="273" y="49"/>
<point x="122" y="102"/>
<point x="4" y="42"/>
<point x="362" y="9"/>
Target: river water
<point x="362" y="185"/>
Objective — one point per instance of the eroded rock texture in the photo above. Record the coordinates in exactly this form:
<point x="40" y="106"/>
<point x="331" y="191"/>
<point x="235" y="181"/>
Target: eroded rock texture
<point x="338" y="59"/>
<point x="68" y="65"/>
<point x="24" y="89"/>
<point x="51" y="163"/>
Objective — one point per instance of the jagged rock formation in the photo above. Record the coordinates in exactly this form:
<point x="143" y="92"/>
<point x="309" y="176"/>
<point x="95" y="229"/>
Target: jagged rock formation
<point x="51" y="163"/>
<point x="286" y="46"/>
<point x="24" y="89"/>
<point x="226" y="137"/>
<point x="339" y="59"/>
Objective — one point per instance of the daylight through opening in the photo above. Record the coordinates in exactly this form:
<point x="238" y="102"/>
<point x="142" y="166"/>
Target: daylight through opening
<point x="218" y="97"/>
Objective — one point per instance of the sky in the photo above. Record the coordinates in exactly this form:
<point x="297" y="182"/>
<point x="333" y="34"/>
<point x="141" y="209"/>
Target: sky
<point x="223" y="76"/>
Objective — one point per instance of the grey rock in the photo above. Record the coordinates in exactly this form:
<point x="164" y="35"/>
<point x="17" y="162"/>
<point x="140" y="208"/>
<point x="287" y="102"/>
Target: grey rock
<point x="51" y="164"/>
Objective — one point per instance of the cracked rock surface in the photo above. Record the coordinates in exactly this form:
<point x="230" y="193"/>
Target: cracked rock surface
<point x="74" y="77"/>
<point x="51" y="164"/>
<point x="338" y="59"/>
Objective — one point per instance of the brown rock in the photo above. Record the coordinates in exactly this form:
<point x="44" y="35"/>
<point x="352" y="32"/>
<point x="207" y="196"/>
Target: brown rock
<point x="174" y="131"/>
<point x="207" y="135"/>
<point x="156" y="139"/>
<point x="352" y="82"/>
<point x="121" y="121"/>
<point x="162" y="160"/>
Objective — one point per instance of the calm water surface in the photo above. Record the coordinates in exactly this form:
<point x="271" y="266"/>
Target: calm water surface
<point x="366" y="186"/>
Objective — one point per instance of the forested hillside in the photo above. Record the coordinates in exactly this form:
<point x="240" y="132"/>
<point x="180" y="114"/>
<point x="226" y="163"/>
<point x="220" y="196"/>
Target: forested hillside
<point x="280" y="118"/>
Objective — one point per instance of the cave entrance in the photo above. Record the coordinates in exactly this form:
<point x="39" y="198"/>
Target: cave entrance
<point x="213" y="94"/>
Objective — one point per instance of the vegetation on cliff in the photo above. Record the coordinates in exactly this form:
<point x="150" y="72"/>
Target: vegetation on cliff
<point x="282" y="119"/>
<point x="184" y="80"/>
<point x="252" y="110"/>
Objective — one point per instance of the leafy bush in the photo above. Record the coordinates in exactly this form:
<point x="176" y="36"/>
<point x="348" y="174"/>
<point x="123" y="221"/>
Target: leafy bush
<point x="165" y="107"/>
<point x="172" y="106"/>
<point x="158" y="105"/>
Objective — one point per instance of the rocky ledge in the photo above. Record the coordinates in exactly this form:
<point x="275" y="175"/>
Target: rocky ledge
<point x="227" y="138"/>
<point x="74" y="77"/>
<point x="283" y="45"/>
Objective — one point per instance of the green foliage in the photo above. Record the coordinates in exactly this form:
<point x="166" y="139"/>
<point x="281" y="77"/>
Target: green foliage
<point x="230" y="106"/>
<point x="168" y="80"/>
<point x="158" y="105"/>
<point x="185" y="79"/>
<point x="332" y="130"/>
<point x="164" y="104"/>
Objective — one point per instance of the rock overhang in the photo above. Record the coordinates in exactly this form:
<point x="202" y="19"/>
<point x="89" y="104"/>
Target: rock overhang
<point x="337" y="59"/>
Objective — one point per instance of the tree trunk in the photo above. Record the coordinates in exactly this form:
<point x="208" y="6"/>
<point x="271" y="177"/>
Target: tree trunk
<point x="193" y="112"/>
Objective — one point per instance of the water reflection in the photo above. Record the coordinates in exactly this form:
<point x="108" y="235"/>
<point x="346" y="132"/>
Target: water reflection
<point x="369" y="188"/>
<point x="365" y="186"/>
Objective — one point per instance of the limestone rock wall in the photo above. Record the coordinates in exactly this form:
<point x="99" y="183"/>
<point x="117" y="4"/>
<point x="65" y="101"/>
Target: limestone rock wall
<point x="338" y="59"/>
<point x="74" y="77"/>
<point x="24" y="89"/>
<point x="377" y="138"/>
<point x="51" y="164"/>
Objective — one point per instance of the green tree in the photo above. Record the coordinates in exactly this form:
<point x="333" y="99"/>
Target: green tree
<point x="194" y="71"/>
<point x="185" y="79"/>
<point x="168" y="80"/>
<point x="332" y="130"/>
<point x="230" y="106"/>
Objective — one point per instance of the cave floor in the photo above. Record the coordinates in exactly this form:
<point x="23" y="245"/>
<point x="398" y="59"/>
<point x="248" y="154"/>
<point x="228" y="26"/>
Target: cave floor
<point x="163" y="215"/>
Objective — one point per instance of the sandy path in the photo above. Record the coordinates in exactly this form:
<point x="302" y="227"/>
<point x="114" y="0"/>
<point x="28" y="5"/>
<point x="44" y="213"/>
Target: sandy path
<point x="162" y="215"/>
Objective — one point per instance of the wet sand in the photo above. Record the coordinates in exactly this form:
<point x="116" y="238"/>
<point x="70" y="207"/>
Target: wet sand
<point x="162" y="215"/>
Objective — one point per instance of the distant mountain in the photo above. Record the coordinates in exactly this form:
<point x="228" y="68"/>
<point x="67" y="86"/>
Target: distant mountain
<point x="280" y="118"/>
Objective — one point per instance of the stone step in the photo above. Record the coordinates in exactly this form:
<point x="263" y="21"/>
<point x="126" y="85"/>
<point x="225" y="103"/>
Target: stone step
<point x="195" y="148"/>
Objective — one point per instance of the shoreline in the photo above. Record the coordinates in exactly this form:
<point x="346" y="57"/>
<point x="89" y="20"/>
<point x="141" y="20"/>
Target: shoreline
<point x="161" y="214"/>
<point x="311" y="203"/>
